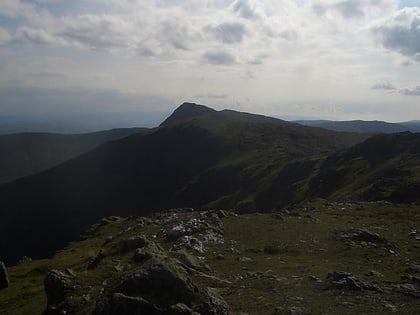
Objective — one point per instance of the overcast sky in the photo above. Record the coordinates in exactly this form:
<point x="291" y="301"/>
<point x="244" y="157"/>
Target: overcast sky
<point x="334" y="59"/>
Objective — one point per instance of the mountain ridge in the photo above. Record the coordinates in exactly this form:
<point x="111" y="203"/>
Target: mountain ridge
<point x="225" y="159"/>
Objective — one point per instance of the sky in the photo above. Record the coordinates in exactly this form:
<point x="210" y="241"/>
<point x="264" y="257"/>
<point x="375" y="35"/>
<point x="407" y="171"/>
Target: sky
<point x="329" y="59"/>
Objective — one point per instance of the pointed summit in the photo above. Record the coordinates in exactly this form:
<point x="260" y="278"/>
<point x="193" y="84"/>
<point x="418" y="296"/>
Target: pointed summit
<point x="188" y="111"/>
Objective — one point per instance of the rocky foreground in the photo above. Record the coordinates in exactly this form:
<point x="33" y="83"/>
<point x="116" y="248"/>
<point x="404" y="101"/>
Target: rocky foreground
<point x="322" y="258"/>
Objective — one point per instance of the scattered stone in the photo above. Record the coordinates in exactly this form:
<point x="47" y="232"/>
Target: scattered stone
<point x="374" y="273"/>
<point x="95" y="261"/>
<point x="175" y="233"/>
<point x="190" y="243"/>
<point x="315" y="279"/>
<point x="25" y="259"/>
<point x="415" y="235"/>
<point x="4" y="279"/>
<point x="359" y="235"/>
<point x="245" y="259"/>
<point x="132" y="243"/>
<point x="220" y="257"/>
<point x="346" y="304"/>
<point x="297" y="310"/>
<point x="346" y="281"/>
<point x="414" y="269"/>
<point x="407" y="289"/>
<point x="191" y="261"/>
<point x="108" y="220"/>
<point x="391" y="308"/>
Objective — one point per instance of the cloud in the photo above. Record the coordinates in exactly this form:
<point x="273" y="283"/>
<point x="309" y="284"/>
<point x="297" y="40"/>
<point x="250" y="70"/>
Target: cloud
<point x="411" y="92"/>
<point x="246" y="9"/>
<point x="4" y="35"/>
<point x="26" y="35"/>
<point x="383" y="86"/>
<point x="15" y="8"/>
<point x="219" y="58"/>
<point x="401" y="33"/>
<point x="212" y="95"/>
<point x="229" y="33"/>
<point x="350" y="9"/>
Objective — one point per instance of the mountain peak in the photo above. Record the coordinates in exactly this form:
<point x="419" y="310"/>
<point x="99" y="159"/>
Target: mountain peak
<point x="188" y="111"/>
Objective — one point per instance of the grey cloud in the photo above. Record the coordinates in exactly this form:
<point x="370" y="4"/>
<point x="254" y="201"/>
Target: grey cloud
<point x="95" y="32"/>
<point x="4" y="35"/>
<point x="411" y="92"/>
<point x="383" y="86"/>
<point x="219" y="58"/>
<point x="402" y="34"/>
<point x="176" y="34"/>
<point x="348" y="8"/>
<point x="245" y="9"/>
<point x="36" y="36"/>
<point x="228" y="32"/>
<point x="212" y="95"/>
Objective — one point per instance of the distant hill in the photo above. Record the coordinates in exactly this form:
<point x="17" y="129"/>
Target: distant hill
<point x="363" y="126"/>
<point x="210" y="159"/>
<point x="29" y="153"/>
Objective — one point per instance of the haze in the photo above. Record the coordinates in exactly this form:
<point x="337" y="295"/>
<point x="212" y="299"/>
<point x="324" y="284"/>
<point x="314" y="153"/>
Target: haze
<point x="330" y="59"/>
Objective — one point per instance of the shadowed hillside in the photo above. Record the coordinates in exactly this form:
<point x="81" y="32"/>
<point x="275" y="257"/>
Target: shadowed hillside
<point x="25" y="154"/>
<point x="384" y="167"/>
<point x="224" y="159"/>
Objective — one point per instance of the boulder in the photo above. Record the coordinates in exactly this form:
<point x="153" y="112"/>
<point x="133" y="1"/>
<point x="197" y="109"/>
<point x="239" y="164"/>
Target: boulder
<point x="359" y="235"/>
<point x="4" y="279"/>
<point x="346" y="281"/>
<point x="57" y="286"/>
<point x="161" y="285"/>
<point x="95" y="261"/>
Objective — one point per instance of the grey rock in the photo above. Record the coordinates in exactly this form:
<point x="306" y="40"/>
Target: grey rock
<point x="4" y="279"/>
<point x="190" y="243"/>
<point x="57" y="286"/>
<point x="95" y="261"/>
<point x="160" y="285"/>
<point x="132" y="243"/>
<point x="414" y="269"/>
<point x="359" y="235"/>
<point x="346" y="281"/>
<point x="297" y="310"/>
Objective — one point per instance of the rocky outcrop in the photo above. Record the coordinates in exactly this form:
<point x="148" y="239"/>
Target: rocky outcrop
<point x="160" y="285"/>
<point x="58" y="286"/>
<point x="359" y="235"/>
<point x="4" y="279"/>
<point x="346" y="281"/>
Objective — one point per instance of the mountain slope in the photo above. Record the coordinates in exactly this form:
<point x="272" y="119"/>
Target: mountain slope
<point x="225" y="159"/>
<point x="29" y="153"/>
<point x="384" y="167"/>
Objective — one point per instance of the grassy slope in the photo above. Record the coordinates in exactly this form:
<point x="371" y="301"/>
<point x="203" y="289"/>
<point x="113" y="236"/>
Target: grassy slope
<point x="304" y="247"/>
<point x="385" y="167"/>
<point x="25" y="154"/>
